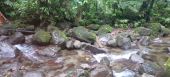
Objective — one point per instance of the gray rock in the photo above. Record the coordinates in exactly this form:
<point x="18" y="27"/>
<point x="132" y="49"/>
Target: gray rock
<point x="144" y="31"/>
<point x="17" y="38"/>
<point x="33" y="74"/>
<point x="137" y="58"/>
<point x="49" y="51"/>
<point x="168" y="49"/>
<point x="6" y="50"/>
<point x="58" y="37"/>
<point x="69" y="44"/>
<point x="147" y="75"/>
<point x="152" y="68"/>
<point x="93" y="49"/>
<point x="123" y="42"/>
<point x="28" y="39"/>
<point x="112" y="43"/>
<point x="101" y="71"/>
<point x="77" y="44"/>
<point x="145" y="40"/>
<point x="3" y="38"/>
<point x="104" y="39"/>
<point x="105" y="61"/>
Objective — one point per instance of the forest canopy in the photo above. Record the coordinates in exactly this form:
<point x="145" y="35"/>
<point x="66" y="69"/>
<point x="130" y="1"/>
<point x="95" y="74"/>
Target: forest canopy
<point x="84" y="12"/>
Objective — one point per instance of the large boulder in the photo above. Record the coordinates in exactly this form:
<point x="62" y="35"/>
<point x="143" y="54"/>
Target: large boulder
<point x="104" y="29"/>
<point x="165" y="31"/>
<point x="84" y="34"/>
<point x="156" y="28"/>
<point x="152" y="68"/>
<point x="143" y="31"/>
<point x="42" y="37"/>
<point x="59" y="37"/>
<point x="123" y="42"/>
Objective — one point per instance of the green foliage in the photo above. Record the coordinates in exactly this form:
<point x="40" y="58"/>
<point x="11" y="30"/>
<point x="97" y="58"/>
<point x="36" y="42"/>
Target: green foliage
<point x="84" y="12"/>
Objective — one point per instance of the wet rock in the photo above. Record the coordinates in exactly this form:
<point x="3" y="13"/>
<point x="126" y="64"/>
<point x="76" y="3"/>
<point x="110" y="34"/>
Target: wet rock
<point x="101" y="71"/>
<point x="42" y="37"/>
<point x="28" y="39"/>
<point x="33" y="74"/>
<point x="104" y="29"/>
<point x="147" y="75"/>
<point x="85" y="66"/>
<point x="143" y="31"/>
<point x="17" y="38"/>
<point x="83" y="34"/>
<point x="104" y="39"/>
<point x="105" y="61"/>
<point x="168" y="49"/>
<point x="6" y="50"/>
<point x="152" y="68"/>
<point x="50" y="51"/>
<point x="76" y="73"/>
<point x="3" y="38"/>
<point x="112" y="43"/>
<point x="93" y="49"/>
<point x="125" y="73"/>
<point x="59" y="37"/>
<point x="123" y="64"/>
<point x="137" y="58"/>
<point x="145" y="40"/>
<point x="77" y="44"/>
<point x="69" y="44"/>
<point x="123" y="42"/>
<point x="52" y="65"/>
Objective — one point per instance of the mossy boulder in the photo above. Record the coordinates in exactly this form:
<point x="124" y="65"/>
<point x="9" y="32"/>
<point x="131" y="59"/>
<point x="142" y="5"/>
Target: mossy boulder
<point x="156" y="28"/>
<point x="58" y="37"/>
<point x="84" y="34"/>
<point x="142" y="31"/>
<point x="165" y="31"/>
<point x="42" y="37"/>
<point x="93" y="26"/>
<point x="104" y="29"/>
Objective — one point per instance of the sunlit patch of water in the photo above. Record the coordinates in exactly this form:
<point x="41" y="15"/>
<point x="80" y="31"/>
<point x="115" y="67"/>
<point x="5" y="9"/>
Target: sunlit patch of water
<point x="29" y="51"/>
<point x="116" y="56"/>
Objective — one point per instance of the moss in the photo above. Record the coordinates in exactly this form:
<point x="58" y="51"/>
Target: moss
<point x="156" y="28"/>
<point x="167" y="66"/>
<point x="165" y="31"/>
<point x="42" y="37"/>
<point x="104" y="29"/>
<point x="84" y="34"/>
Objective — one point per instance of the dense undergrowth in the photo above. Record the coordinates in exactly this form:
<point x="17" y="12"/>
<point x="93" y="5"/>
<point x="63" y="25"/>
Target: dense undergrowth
<point x="118" y="13"/>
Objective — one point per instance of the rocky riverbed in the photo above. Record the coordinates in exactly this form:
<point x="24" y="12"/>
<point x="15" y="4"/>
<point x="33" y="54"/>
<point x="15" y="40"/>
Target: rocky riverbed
<point x="81" y="52"/>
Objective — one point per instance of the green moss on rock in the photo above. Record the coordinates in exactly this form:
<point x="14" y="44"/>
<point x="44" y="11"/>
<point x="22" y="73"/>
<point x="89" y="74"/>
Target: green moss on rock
<point x="42" y="37"/>
<point x="104" y="29"/>
<point x="84" y="34"/>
